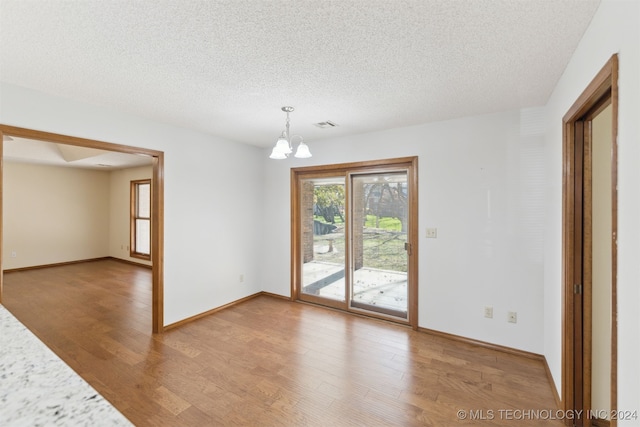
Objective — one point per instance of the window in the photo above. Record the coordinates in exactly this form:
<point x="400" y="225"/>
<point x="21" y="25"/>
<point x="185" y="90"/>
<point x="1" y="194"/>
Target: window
<point x="141" y="219"/>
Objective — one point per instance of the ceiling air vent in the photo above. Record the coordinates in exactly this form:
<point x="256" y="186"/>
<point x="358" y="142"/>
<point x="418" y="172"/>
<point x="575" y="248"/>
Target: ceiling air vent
<point x="324" y="125"/>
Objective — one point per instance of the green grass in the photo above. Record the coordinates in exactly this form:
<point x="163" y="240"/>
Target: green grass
<point x="383" y="245"/>
<point x="382" y="249"/>
<point x="385" y="251"/>
<point x="320" y="218"/>
<point x="384" y="223"/>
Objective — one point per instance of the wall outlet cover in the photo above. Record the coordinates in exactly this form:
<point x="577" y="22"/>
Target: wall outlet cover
<point x="488" y="312"/>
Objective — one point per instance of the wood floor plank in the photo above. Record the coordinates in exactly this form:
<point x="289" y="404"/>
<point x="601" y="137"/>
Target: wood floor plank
<point x="170" y="401"/>
<point x="264" y="362"/>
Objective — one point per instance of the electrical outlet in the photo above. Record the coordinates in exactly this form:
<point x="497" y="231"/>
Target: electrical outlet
<point x="14" y="254"/>
<point x="432" y="233"/>
<point x="488" y="312"/>
<point x="241" y="278"/>
<point x="512" y="317"/>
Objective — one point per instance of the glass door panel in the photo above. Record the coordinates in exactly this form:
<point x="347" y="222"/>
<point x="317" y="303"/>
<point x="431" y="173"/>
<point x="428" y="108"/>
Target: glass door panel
<point x="379" y="259"/>
<point x="322" y="221"/>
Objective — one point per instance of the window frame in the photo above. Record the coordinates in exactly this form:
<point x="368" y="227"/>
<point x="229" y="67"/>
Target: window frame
<point x="134" y="217"/>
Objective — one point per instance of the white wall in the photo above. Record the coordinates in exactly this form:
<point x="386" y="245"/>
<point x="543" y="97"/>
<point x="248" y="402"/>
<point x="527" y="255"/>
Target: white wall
<point x="481" y="185"/>
<point x="614" y="29"/>
<point x="120" y="215"/>
<point x="57" y="214"/>
<point x="53" y="215"/>
<point x="213" y="195"/>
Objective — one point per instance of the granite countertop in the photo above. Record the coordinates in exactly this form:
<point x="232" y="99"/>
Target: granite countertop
<point x="38" y="389"/>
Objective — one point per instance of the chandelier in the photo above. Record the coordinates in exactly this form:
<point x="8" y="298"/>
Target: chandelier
<point x="283" y="146"/>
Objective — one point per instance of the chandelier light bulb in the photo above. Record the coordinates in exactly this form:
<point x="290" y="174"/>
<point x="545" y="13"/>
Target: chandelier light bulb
<point x="283" y="147"/>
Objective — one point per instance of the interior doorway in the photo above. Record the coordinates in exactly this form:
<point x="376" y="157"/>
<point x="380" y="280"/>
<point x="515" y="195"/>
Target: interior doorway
<point x="157" y="218"/>
<point x="590" y="251"/>
<point x="355" y="237"/>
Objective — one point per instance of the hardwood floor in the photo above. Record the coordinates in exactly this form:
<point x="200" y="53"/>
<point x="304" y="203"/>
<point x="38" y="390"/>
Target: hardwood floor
<point x="266" y="361"/>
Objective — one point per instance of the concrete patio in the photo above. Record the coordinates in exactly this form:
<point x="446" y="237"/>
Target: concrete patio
<point x="381" y="288"/>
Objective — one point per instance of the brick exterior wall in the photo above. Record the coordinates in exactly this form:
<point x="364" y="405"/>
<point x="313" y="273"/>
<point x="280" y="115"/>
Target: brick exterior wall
<point x="358" y="218"/>
<point x="306" y="212"/>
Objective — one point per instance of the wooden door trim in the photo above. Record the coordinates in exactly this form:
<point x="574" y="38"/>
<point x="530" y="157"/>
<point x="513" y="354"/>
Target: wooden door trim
<point x="411" y="164"/>
<point x="602" y="90"/>
<point x="157" y="219"/>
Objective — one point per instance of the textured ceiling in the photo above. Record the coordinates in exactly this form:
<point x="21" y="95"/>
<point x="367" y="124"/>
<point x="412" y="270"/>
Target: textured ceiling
<point x="226" y="67"/>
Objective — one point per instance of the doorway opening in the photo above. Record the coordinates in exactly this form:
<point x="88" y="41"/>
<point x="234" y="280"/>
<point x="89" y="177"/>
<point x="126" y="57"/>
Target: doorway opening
<point x="157" y="203"/>
<point x="354" y="237"/>
<point x="590" y="251"/>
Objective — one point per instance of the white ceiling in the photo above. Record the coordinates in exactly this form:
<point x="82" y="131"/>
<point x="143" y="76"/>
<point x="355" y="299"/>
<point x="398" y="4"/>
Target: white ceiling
<point x="48" y="153"/>
<point x="226" y="67"/>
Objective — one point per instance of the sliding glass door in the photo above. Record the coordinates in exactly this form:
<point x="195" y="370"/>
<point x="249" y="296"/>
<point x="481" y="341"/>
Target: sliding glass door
<point x="379" y="243"/>
<point x="323" y="239"/>
<point x="353" y="232"/>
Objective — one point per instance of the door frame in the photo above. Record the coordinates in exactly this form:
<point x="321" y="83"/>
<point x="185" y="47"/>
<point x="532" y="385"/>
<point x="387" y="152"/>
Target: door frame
<point x="576" y="329"/>
<point x="157" y="205"/>
<point x="411" y="164"/>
